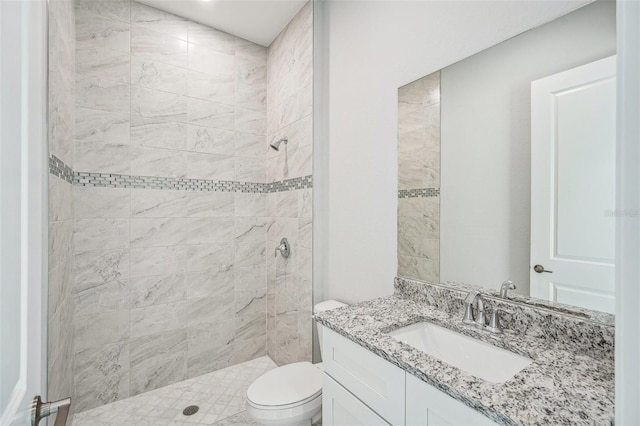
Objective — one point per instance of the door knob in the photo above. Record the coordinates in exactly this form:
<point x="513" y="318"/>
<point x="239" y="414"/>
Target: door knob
<point x="540" y="269"/>
<point x="40" y="410"/>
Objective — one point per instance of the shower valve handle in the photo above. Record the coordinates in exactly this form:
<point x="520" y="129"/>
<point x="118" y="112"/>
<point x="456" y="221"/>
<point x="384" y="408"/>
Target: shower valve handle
<point x="284" y="248"/>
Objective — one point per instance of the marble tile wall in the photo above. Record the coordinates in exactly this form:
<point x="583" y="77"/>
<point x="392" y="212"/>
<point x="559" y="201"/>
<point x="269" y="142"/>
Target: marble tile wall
<point x="289" y="113"/>
<point x="173" y="284"/>
<point x="61" y="130"/>
<point x="168" y="284"/>
<point x="419" y="169"/>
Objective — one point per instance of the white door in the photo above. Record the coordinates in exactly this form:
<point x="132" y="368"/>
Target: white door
<point x="23" y="220"/>
<point x="573" y="133"/>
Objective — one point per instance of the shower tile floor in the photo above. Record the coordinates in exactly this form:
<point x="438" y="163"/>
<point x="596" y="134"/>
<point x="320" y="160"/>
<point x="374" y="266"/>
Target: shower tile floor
<point x="220" y="396"/>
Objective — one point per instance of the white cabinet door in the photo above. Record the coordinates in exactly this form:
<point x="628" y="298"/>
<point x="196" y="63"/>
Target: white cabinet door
<point x="373" y="380"/>
<point x="417" y="410"/>
<point x="341" y="408"/>
<point x="427" y="405"/>
<point x="573" y="138"/>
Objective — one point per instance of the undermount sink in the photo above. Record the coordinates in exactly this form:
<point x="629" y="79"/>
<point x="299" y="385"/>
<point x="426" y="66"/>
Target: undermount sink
<point x="478" y="358"/>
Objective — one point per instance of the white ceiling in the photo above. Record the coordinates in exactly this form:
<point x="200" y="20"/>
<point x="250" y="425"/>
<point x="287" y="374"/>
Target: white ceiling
<point x="259" y="21"/>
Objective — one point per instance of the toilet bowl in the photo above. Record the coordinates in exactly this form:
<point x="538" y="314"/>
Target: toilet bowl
<point x="290" y="395"/>
<point x="287" y="395"/>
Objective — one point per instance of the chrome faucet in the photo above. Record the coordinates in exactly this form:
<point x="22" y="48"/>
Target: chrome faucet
<point x="469" y="318"/>
<point x="505" y="287"/>
<point x="477" y="317"/>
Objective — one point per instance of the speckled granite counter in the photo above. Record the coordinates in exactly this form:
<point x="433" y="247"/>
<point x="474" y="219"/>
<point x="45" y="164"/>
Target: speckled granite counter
<point x="562" y="386"/>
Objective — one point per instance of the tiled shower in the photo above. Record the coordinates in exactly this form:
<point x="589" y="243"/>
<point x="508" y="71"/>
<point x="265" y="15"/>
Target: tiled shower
<point x="166" y="202"/>
<point x="419" y="179"/>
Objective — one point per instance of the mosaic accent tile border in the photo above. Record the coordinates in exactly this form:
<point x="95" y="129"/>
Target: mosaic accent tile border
<point x="113" y="180"/>
<point x="289" y="184"/>
<point x="418" y="193"/>
<point x="58" y="168"/>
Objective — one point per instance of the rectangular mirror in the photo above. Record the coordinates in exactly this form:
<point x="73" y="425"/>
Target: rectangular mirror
<point x="507" y="165"/>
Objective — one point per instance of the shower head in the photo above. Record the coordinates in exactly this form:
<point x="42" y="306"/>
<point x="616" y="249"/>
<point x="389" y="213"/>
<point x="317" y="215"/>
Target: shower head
<point x="276" y="145"/>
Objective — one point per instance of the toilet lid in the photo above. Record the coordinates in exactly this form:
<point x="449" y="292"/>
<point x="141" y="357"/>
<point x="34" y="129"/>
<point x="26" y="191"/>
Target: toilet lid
<point x="286" y="385"/>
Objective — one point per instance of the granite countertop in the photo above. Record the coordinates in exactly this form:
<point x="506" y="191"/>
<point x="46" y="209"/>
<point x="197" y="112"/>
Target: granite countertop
<point x="560" y="386"/>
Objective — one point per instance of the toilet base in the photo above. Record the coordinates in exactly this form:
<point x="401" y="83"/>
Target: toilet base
<point x="303" y="415"/>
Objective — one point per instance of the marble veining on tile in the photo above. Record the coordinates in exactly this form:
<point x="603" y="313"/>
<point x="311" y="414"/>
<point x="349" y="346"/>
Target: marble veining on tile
<point x="153" y="103"/>
<point x="419" y="178"/>
<point x="103" y="63"/>
<point x="158" y="75"/>
<point x="147" y="291"/>
<point x="210" y="140"/>
<point x="158" y="150"/>
<point x="101" y="94"/>
<point x="59" y="348"/>
<point x="154" y="19"/>
<point x="158" y="47"/>
<point x="563" y="386"/>
<point x="96" y="31"/>
<point x="102" y="374"/>
<point x="289" y="66"/>
<point x="157" y="360"/>
<point x="158" y="133"/>
<point x="99" y="126"/>
<point x="117" y="10"/>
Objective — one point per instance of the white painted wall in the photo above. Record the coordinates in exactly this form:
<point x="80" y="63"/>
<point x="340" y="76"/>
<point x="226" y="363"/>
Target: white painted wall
<point x="486" y="144"/>
<point x="628" y="221"/>
<point x="374" y="48"/>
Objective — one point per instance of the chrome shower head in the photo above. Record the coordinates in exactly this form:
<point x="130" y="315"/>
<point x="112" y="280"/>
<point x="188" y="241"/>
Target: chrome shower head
<point x="276" y="145"/>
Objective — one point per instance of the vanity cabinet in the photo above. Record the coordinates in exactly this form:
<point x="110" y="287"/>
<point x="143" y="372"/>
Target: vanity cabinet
<point x="360" y="388"/>
<point x="340" y="407"/>
<point x="426" y="405"/>
<point x="374" y="381"/>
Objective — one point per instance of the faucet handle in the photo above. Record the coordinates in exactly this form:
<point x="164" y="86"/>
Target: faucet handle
<point x="468" y="301"/>
<point x="505" y="287"/>
<point x="284" y="248"/>
<point x="494" y="323"/>
<point x="468" y="314"/>
<point x="480" y="316"/>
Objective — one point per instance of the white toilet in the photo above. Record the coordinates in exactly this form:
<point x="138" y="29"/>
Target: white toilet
<point x="290" y="395"/>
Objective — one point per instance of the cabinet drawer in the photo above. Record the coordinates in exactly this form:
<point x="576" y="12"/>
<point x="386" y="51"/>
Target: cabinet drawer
<point x="376" y="382"/>
<point x="427" y="405"/>
<point x="340" y="408"/>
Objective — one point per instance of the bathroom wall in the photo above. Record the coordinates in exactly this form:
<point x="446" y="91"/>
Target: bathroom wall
<point x="61" y="130"/>
<point x="374" y="48"/>
<point x="419" y="179"/>
<point x="289" y="289"/>
<point x="171" y="207"/>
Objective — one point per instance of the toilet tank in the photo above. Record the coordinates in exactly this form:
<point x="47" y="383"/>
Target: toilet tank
<point x="327" y="305"/>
